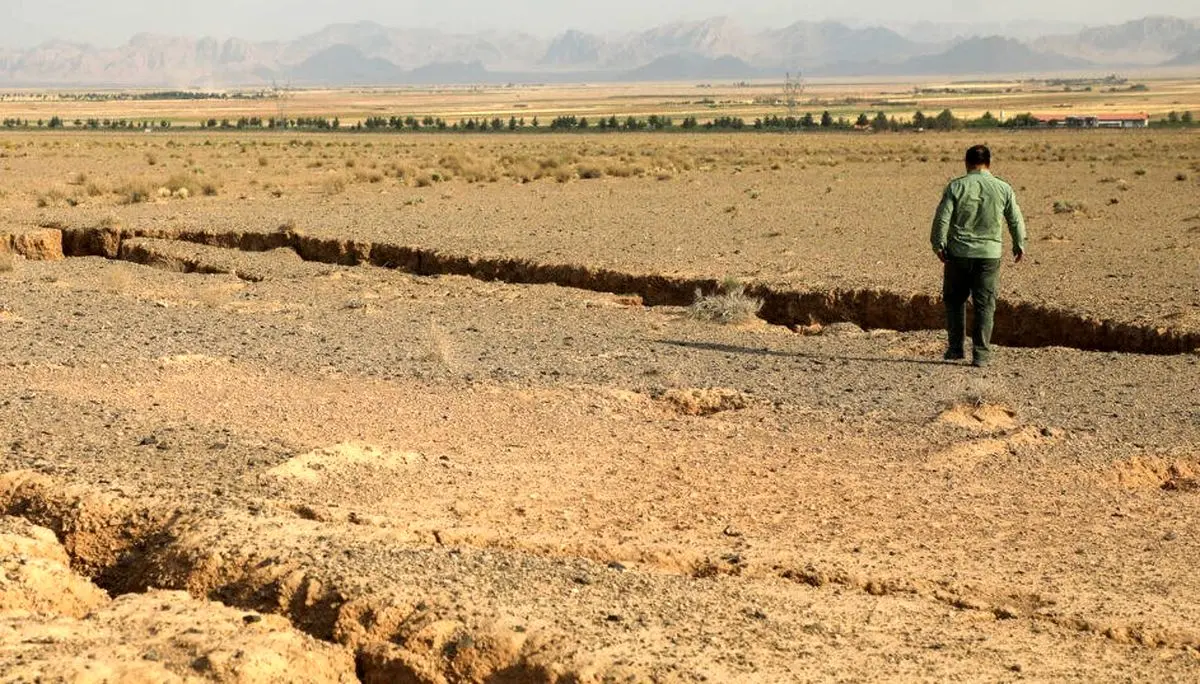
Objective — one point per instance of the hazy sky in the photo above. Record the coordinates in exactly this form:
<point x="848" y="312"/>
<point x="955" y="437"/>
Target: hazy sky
<point x="25" y="22"/>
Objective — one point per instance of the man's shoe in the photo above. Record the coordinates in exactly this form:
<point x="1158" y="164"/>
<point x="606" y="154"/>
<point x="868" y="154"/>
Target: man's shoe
<point x="980" y="363"/>
<point x="954" y="355"/>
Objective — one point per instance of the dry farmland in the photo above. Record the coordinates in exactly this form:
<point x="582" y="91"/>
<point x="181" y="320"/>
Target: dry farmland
<point x="429" y="408"/>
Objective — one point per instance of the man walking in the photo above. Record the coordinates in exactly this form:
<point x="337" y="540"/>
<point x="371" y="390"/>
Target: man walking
<point x="968" y="236"/>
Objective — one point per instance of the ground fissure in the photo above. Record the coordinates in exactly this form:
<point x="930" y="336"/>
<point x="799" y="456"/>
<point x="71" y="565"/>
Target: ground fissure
<point x="1022" y="324"/>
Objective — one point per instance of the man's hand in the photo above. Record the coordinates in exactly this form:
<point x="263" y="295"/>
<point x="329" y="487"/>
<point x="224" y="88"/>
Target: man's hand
<point x="1018" y="256"/>
<point x="941" y="255"/>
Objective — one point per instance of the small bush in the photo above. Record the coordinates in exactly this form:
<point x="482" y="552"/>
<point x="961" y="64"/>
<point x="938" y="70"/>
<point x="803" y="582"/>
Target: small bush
<point x="1181" y="176"/>
<point x="729" y="306"/>
<point x="54" y="197"/>
<point x="1140" y="172"/>
<point x="334" y="185"/>
<point x="134" y="192"/>
<point x="563" y="174"/>
<point x="7" y="262"/>
<point x="1064" y="207"/>
<point x="588" y="171"/>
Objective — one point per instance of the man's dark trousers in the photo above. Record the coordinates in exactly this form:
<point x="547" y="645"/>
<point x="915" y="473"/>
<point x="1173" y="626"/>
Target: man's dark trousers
<point x="978" y="280"/>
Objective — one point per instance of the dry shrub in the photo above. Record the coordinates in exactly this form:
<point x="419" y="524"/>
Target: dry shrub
<point x="423" y="180"/>
<point x="182" y="181"/>
<point x="1068" y="207"/>
<point x="134" y="192"/>
<point x="523" y="169"/>
<point x="729" y="306"/>
<point x="589" y="171"/>
<point x="116" y="279"/>
<point x="334" y="184"/>
<point x="564" y="174"/>
<point x="468" y="168"/>
<point x="368" y="177"/>
<point x="8" y="262"/>
<point x="55" y="197"/>
<point x="621" y="170"/>
<point x="440" y="350"/>
<point x="403" y="172"/>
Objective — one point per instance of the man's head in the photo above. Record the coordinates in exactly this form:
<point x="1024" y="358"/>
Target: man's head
<point x="979" y="157"/>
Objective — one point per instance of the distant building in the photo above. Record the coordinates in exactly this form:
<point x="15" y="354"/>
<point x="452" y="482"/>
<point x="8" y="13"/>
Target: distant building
<point x="1140" y="120"/>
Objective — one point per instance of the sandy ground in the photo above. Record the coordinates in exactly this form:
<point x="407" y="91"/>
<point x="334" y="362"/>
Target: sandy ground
<point x="592" y="489"/>
<point x="816" y="210"/>
<point x="283" y="466"/>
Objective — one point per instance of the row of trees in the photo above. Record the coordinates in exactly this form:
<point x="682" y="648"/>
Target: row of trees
<point x="880" y="121"/>
<point x="93" y="124"/>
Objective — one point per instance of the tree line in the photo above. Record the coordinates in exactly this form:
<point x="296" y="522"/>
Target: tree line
<point x="880" y="121"/>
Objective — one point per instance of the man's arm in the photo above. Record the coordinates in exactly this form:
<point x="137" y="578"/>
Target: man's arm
<point x="941" y="222"/>
<point x="1016" y="223"/>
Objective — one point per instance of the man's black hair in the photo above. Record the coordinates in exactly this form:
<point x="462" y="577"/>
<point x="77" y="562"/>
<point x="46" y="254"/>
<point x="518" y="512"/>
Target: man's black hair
<point x="979" y="156"/>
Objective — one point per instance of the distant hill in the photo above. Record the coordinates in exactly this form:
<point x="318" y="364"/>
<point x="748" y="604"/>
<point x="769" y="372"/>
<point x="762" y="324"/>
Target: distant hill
<point x="364" y="53"/>
<point x="1186" y="59"/>
<point x="449" y="73"/>
<point x="693" y="67"/>
<point x="809" y="45"/>
<point x="573" y="49"/>
<point x="991" y="55"/>
<point x="344" y="64"/>
<point x="1148" y="41"/>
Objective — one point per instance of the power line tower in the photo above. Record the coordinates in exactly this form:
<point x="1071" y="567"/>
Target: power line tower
<point x="793" y="88"/>
<point x="281" y="96"/>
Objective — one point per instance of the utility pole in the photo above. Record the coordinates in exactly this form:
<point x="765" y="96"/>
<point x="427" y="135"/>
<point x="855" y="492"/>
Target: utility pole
<point x="793" y="88"/>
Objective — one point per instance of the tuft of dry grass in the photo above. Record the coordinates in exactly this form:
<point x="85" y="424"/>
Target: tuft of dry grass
<point x="8" y="263"/>
<point x="116" y="279"/>
<point x="589" y="171"/>
<point x="334" y="184"/>
<point x="728" y="306"/>
<point x="134" y="192"/>
<point x="1069" y="207"/>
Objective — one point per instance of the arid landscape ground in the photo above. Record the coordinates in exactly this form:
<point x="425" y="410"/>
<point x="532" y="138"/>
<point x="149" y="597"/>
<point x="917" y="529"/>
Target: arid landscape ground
<point x="433" y="409"/>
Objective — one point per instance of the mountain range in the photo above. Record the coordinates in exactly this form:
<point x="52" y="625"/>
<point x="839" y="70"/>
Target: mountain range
<point x="366" y="53"/>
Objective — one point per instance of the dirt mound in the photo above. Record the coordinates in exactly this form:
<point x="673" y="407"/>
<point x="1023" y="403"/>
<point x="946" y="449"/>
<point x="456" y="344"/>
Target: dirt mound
<point x="42" y="244"/>
<point x="162" y="637"/>
<point x="1155" y="472"/>
<point x="310" y="467"/>
<point x="705" y="402"/>
<point x="34" y="577"/>
<point x="981" y="417"/>
<point x="56" y="625"/>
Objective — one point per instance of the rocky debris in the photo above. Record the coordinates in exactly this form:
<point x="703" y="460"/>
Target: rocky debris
<point x="165" y="636"/>
<point x="981" y="417"/>
<point x="35" y="577"/>
<point x="705" y="402"/>
<point x="35" y="244"/>
<point x="56" y="625"/>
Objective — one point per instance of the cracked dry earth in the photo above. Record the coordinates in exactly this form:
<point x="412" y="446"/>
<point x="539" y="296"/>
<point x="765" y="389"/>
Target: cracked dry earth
<point x="334" y="473"/>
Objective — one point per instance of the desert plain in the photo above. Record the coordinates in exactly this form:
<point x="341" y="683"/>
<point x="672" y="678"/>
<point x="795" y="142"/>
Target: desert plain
<point x="435" y="408"/>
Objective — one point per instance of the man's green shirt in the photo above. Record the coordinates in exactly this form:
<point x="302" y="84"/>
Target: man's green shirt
<point x="971" y="217"/>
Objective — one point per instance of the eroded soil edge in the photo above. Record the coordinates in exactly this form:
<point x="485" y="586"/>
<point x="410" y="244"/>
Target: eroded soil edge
<point x="1022" y="324"/>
